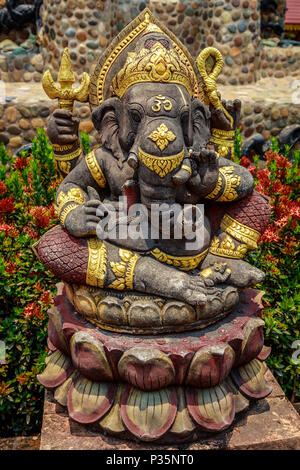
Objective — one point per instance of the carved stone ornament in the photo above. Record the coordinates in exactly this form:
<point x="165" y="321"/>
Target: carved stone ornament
<point x="156" y="337"/>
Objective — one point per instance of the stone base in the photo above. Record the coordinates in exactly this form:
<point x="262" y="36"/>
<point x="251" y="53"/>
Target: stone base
<point x="269" y="424"/>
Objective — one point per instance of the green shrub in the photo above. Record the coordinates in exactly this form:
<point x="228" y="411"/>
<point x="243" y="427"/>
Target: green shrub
<point x="27" y="190"/>
<point x="278" y="257"/>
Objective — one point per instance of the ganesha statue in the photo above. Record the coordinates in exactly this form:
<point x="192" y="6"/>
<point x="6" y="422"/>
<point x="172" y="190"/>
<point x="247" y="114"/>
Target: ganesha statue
<point x="156" y="333"/>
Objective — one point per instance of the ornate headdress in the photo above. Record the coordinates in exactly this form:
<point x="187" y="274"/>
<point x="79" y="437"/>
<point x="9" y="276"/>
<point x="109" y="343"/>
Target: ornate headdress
<point x="147" y="51"/>
<point x="154" y="65"/>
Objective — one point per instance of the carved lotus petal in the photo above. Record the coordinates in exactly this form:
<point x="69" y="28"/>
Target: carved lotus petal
<point x="178" y="313"/>
<point x="183" y="426"/>
<point x="210" y="365"/>
<point x="89" y="357"/>
<point x="250" y="379"/>
<point x="84" y="302"/>
<point x="111" y="311"/>
<point x="253" y="340"/>
<point x="88" y="401"/>
<point x="59" y="367"/>
<point x="61" y="392"/>
<point x="147" y="369"/>
<point x="144" y="314"/>
<point x="241" y="403"/>
<point x="55" y="330"/>
<point x="112" y="421"/>
<point x="148" y="415"/>
<point x="212" y="408"/>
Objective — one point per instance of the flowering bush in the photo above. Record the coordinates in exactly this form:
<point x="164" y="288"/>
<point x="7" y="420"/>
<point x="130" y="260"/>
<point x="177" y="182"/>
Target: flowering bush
<point x="27" y="190"/>
<point x="278" y="257"/>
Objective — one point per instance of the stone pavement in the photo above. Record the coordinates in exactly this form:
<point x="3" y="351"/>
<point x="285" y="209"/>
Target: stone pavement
<point x="269" y="424"/>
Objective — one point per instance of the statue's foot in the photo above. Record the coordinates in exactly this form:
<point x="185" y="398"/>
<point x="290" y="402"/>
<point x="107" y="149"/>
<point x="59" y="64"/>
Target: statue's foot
<point x="153" y="277"/>
<point x="242" y="274"/>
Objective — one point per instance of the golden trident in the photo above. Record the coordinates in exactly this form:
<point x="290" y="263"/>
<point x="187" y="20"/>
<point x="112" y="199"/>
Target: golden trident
<point x="66" y="94"/>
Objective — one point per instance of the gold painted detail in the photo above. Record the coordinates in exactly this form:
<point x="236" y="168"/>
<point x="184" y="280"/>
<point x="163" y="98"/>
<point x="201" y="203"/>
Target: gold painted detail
<point x="232" y="181"/>
<point x="66" y="94"/>
<point x="184" y="263"/>
<point x="227" y="248"/>
<point x="62" y="148"/>
<point x="95" y="169"/>
<point x="216" y="190"/>
<point x="223" y="134"/>
<point x="124" y="270"/>
<point x="73" y="195"/>
<point x="155" y="65"/>
<point x="65" y="212"/>
<point x="187" y="168"/>
<point x="210" y="76"/>
<point x="159" y="101"/>
<point x="241" y="232"/>
<point x="223" y="146"/>
<point x="97" y="262"/>
<point x="64" y="167"/>
<point x="161" y="165"/>
<point x="68" y="156"/>
<point x="162" y="136"/>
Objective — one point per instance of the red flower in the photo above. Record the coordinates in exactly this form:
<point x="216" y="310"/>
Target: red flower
<point x="32" y="233"/>
<point x="22" y="378"/>
<point x="21" y="162"/>
<point x="245" y="162"/>
<point x="11" y="267"/>
<point x="252" y="169"/>
<point x="41" y="218"/>
<point x="270" y="235"/>
<point x="7" y="204"/>
<point x="33" y="310"/>
<point x="9" y="230"/>
<point x="46" y="297"/>
<point x="3" y="188"/>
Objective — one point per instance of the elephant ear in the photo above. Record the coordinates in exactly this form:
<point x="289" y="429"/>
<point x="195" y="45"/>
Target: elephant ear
<point x="201" y="125"/>
<point x="106" y="122"/>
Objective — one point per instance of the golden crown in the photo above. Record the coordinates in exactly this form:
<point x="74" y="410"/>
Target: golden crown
<point x="157" y="64"/>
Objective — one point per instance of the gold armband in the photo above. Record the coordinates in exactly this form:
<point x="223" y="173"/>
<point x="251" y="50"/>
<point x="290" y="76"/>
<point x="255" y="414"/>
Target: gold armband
<point x="241" y="232"/>
<point x="124" y="270"/>
<point x="95" y="169"/>
<point x="227" y="248"/>
<point x="187" y="168"/>
<point x="224" y="140"/>
<point x="227" y="180"/>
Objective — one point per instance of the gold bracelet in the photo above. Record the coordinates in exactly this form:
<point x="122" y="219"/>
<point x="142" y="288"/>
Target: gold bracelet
<point x="62" y="148"/>
<point x="68" y="156"/>
<point x="232" y="181"/>
<point x="65" y="212"/>
<point x="227" y="248"/>
<point x="184" y="263"/>
<point x="220" y="133"/>
<point x="240" y="231"/>
<point x="95" y="169"/>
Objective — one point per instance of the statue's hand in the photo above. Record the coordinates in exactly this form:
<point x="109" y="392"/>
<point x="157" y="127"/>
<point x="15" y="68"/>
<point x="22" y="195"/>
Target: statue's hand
<point x="83" y="220"/>
<point x="62" y="128"/>
<point x="207" y="170"/>
<point x="219" y="120"/>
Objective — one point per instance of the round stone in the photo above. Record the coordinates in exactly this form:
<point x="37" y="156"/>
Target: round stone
<point x="81" y="36"/>
<point x="242" y="26"/>
<point x="11" y="114"/>
<point x="24" y="124"/>
<point x="15" y="142"/>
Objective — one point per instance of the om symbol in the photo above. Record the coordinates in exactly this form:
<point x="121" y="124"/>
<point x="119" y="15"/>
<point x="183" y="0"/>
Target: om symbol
<point x="161" y="100"/>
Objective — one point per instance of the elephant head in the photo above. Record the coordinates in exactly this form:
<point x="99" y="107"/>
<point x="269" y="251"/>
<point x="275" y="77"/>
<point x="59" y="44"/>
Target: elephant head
<point x="155" y="127"/>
